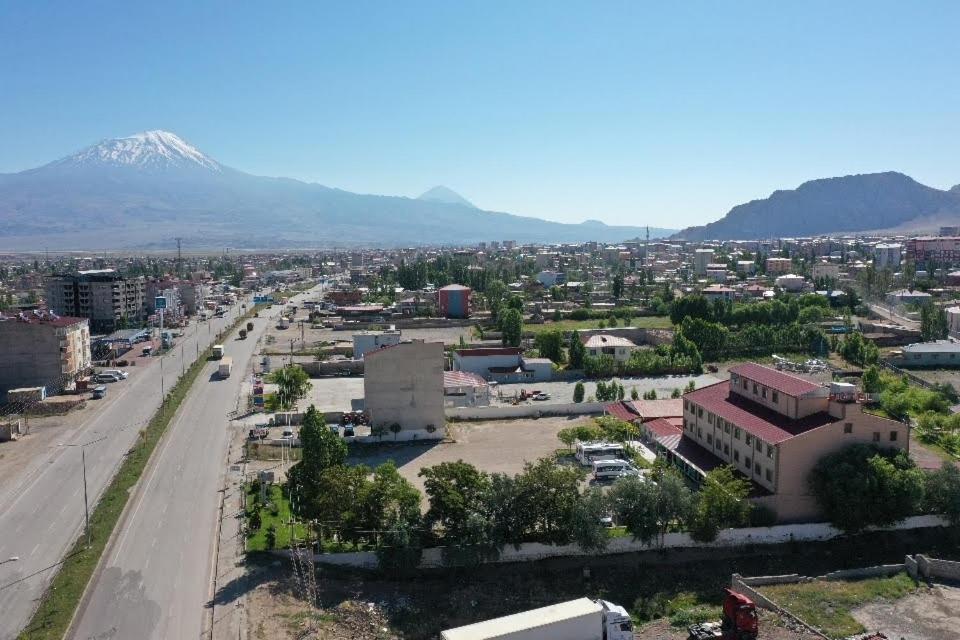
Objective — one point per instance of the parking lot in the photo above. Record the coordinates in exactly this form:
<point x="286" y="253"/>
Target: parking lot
<point x="496" y="446"/>
<point x="561" y="392"/>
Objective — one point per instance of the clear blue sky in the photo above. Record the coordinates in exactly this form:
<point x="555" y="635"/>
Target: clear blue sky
<point x="633" y="113"/>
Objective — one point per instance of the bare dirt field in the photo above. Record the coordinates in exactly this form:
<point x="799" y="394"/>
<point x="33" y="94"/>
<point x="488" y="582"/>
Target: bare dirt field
<point x="277" y="340"/>
<point x="939" y="376"/>
<point x="496" y="446"/>
<point x="929" y="614"/>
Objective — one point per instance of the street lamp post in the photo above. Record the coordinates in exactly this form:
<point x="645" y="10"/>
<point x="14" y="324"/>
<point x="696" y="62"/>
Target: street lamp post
<point x="86" y="502"/>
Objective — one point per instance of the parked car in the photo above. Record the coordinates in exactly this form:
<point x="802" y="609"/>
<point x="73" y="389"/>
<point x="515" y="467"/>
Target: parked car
<point x="117" y="372"/>
<point x="287" y="434"/>
<point x="99" y="392"/>
<point x="348" y="432"/>
<point x="542" y="396"/>
<point x="106" y="377"/>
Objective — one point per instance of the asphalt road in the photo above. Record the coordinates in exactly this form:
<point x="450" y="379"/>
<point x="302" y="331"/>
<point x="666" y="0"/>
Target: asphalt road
<point x="42" y="514"/>
<point x="157" y="575"/>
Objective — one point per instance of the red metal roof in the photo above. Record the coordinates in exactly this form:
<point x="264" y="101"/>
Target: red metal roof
<point x="769" y="377"/>
<point x="462" y="379"/>
<point x="488" y="351"/>
<point x="620" y="411"/>
<point x="662" y="408"/>
<point x="661" y="428"/>
<point x="753" y="418"/>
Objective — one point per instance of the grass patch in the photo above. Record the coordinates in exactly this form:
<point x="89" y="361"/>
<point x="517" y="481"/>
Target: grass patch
<point x="58" y="603"/>
<point x="683" y="608"/>
<point x="640" y="322"/>
<point x="277" y="514"/>
<point x="827" y="604"/>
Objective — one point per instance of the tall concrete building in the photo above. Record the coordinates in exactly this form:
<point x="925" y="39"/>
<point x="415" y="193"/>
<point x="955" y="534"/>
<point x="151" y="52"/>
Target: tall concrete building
<point x="701" y="258"/>
<point x="403" y="385"/>
<point x="887" y="256"/>
<point x="106" y="298"/>
<point x="40" y="349"/>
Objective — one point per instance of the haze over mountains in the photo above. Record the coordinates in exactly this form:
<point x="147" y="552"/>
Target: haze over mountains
<point x="143" y="190"/>
<point x="866" y="202"/>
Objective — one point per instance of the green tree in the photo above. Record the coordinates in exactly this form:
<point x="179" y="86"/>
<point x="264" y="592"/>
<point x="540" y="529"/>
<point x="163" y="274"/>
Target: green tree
<point x="933" y="323"/>
<point x="271" y="536"/>
<point x="721" y="503"/>
<point x="863" y="485"/>
<point x="550" y="345"/>
<point x="578" y="392"/>
<point x="649" y="509"/>
<point x="546" y="497"/>
<point x="586" y="524"/>
<point x="576" y="350"/>
<point x="387" y="499"/>
<point x="293" y="383"/>
<point x="511" y="327"/>
<point x="616" y="285"/>
<point x="871" y="380"/>
<point x="400" y="548"/>
<point x="455" y="490"/>
<point x="943" y="492"/>
<point x="634" y="394"/>
<point x="676" y="393"/>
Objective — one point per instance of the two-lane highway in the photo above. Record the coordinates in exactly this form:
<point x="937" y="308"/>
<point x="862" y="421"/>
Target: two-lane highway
<point x="43" y="513"/>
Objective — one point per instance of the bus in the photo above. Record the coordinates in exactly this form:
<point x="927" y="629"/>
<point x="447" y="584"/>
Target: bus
<point x="587" y="452"/>
<point x="612" y="469"/>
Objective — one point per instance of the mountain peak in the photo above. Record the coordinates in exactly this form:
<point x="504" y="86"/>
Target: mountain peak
<point x="446" y="195"/>
<point x="150" y="150"/>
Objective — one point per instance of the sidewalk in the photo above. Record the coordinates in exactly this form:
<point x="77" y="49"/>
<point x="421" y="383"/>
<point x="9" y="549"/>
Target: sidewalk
<point x="229" y="601"/>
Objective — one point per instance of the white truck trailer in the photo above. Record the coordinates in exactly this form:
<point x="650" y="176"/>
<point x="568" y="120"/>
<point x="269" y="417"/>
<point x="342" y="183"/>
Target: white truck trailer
<point x="226" y="366"/>
<point x="218" y="351"/>
<point x="582" y="619"/>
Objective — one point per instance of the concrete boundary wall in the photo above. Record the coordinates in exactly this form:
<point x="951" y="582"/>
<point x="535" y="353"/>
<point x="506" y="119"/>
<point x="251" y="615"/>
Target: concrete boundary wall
<point x="728" y="538"/>
<point x="928" y="568"/>
<point x="524" y="411"/>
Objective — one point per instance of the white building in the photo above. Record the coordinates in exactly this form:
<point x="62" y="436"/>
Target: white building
<point x="790" y="282"/>
<point x="887" y="256"/>
<point x="462" y="389"/>
<point x="701" y="258"/>
<point x="403" y="385"/>
<point x="366" y="341"/>
<point x="825" y="270"/>
<point x="605" y="344"/>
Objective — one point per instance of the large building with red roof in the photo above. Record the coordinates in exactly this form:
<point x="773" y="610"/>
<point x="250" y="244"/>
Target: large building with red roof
<point x="773" y="427"/>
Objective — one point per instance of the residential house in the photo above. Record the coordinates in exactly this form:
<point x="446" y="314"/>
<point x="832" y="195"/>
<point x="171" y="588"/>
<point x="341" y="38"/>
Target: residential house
<point x="604" y="344"/>
<point x="502" y="364"/>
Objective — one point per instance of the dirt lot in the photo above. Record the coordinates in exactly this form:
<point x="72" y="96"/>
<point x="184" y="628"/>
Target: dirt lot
<point x="939" y="376"/>
<point x="278" y="340"/>
<point x="930" y="614"/>
<point x="500" y="446"/>
<point x="562" y="391"/>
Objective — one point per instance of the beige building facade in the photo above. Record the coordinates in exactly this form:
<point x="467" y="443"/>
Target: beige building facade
<point x="403" y="386"/>
<point x="39" y="349"/>
<point x="773" y="428"/>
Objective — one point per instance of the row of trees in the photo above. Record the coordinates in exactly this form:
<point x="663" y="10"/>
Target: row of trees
<point x="863" y="486"/>
<point x="773" y="312"/>
<point x="934" y="324"/>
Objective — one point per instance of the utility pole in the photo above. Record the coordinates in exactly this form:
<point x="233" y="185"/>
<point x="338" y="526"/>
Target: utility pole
<point x="179" y="257"/>
<point x="86" y="502"/>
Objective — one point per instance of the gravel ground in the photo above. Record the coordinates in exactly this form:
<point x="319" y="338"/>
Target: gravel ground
<point x="501" y="446"/>
<point x="930" y="614"/>
<point x="562" y="392"/>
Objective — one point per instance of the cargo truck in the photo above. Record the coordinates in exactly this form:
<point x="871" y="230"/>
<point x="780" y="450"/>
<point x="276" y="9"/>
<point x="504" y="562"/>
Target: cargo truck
<point x="226" y="366"/>
<point x="218" y="351"/>
<point x="582" y="619"/>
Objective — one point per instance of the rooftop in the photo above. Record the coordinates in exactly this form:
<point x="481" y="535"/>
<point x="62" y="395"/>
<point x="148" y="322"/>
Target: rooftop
<point x="42" y="318"/>
<point x="778" y="380"/>
<point x="462" y="379"/>
<point x="662" y="408"/>
<point x="766" y="424"/>
<point x="488" y="351"/>
<point x="606" y="340"/>
<point x="936" y="346"/>
<point x="532" y="619"/>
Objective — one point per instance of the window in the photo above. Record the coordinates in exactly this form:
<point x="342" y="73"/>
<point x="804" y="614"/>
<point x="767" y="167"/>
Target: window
<point x="848" y="427"/>
<point x="710" y="438"/>
<point x="699" y="412"/>
<point x="769" y="450"/>
<point x="736" y="433"/>
<point x="717" y="443"/>
<point x="893" y="436"/>
<point x="710" y="418"/>
<point x="726" y="427"/>
<point x="769" y="475"/>
<point x="686" y="405"/>
<point x="756" y="467"/>
<point x="746" y="462"/>
<point x="749" y="439"/>
<point x="699" y="432"/>
<point x="776" y="397"/>
<point x="763" y="392"/>
<point x="726" y="449"/>
<point x="754" y="388"/>
<point x="744" y="383"/>
<point x="876" y="436"/>
<point x="759" y="444"/>
<point x="736" y="455"/>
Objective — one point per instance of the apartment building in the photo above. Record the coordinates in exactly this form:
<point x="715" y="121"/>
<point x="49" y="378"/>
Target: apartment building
<point x="403" y="385"/>
<point x="774" y="427"/>
<point x="106" y="298"/>
<point x="778" y="265"/>
<point x="42" y="349"/>
<point x="941" y="250"/>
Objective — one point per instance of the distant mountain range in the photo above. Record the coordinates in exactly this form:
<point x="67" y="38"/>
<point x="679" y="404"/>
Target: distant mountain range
<point x="867" y="202"/>
<point x="143" y="190"/>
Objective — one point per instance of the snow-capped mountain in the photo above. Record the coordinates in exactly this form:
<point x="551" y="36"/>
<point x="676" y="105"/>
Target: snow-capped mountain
<point x="150" y="151"/>
<point x="144" y="189"/>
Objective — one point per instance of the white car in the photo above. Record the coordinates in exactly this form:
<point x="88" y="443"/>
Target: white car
<point x="123" y="375"/>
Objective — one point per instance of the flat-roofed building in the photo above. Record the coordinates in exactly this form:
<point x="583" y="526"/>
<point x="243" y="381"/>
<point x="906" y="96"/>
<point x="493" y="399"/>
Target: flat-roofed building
<point x="109" y="300"/>
<point x="403" y="385"/>
<point x="604" y="344"/>
<point x="42" y="349"/>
